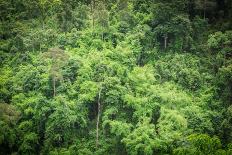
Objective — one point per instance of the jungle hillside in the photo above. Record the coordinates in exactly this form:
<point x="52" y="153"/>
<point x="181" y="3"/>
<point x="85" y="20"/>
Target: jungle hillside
<point x="116" y="77"/>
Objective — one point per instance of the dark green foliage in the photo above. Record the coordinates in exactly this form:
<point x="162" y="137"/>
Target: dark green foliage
<point x="136" y="77"/>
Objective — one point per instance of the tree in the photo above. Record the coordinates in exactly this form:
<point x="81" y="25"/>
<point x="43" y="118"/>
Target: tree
<point x="205" y="6"/>
<point x="171" y="25"/>
<point x="115" y="77"/>
<point x="44" y="7"/>
<point x="143" y="140"/>
<point x="9" y="116"/>
<point x="58" y="58"/>
<point x="202" y="144"/>
<point x="63" y="124"/>
<point x="102" y="18"/>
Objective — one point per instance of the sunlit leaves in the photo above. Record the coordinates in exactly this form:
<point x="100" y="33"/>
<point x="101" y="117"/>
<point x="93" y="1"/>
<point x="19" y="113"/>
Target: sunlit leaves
<point x="88" y="90"/>
<point x="202" y="144"/>
<point x="143" y="139"/>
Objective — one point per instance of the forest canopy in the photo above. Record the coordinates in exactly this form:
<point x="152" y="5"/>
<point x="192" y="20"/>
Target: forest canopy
<point x="120" y="77"/>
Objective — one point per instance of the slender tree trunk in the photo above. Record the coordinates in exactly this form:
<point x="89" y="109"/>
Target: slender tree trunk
<point x="165" y="41"/>
<point x="54" y="87"/>
<point x="98" y="117"/>
<point x="102" y="36"/>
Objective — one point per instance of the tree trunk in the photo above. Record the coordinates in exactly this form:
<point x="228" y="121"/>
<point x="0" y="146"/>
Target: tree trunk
<point x="165" y="41"/>
<point x="102" y="35"/>
<point x="98" y="116"/>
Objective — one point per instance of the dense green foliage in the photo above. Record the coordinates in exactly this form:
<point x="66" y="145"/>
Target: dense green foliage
<point x="136" y="77"/>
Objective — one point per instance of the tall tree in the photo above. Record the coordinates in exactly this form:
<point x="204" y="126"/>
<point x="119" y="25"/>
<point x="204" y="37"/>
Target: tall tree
<point x="45" y="7"/>
<point x="58" y="58"/>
